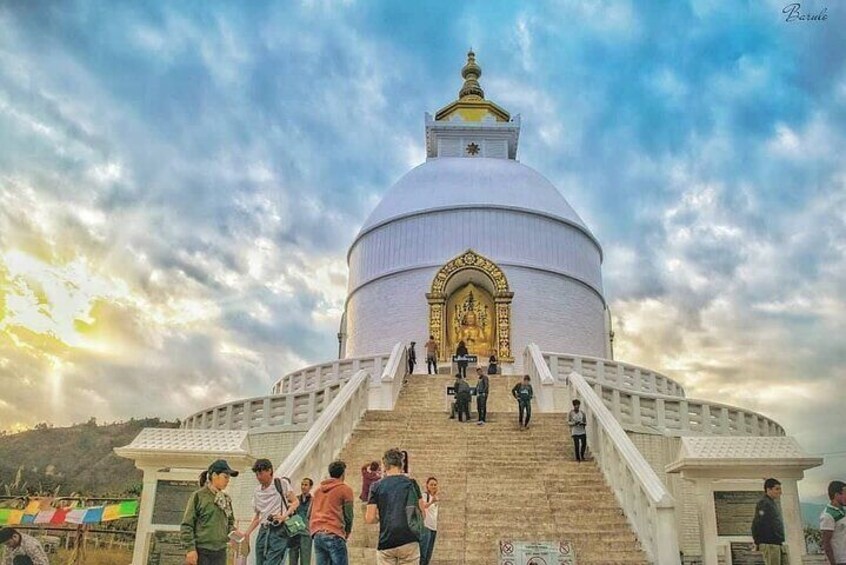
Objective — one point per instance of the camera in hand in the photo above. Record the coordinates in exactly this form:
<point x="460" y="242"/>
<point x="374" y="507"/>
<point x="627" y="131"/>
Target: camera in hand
<point x="272" y="521"/>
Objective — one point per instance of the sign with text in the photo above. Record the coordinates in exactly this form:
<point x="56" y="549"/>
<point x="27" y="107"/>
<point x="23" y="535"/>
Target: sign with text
<point x="536" y="553"/>
<point x="466" y="358"/>
<point x="171" y="498"/>
<point x="735" y="510"/>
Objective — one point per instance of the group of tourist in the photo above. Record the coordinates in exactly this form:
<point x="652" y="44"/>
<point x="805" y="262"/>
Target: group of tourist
<point x="768" y="525"/>
<point x="317" y="521"/>
<point x="432" y="351"/>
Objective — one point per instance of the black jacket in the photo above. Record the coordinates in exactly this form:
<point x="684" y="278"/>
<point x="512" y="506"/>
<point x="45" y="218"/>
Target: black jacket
<point x="483" y="385"/>
<point x="515" y="392"/>
<point x="767" y="525"/>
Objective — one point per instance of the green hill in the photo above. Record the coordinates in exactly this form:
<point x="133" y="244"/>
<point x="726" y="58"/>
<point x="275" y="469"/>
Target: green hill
<point x="75" y="459"/>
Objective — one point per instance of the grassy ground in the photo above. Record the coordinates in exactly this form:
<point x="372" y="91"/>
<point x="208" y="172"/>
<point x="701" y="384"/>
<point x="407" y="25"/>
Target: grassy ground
<point x="103" y="556"/>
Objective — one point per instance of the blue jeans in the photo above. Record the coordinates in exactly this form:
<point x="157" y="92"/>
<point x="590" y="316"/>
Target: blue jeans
<point x="330" y="549"/>
<point x="271" y="546"/>
<point x="427" y="545"/>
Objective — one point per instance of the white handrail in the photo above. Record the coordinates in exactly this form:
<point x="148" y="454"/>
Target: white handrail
<point x="394" y="374"/>
<point x="539" y="373"/>
<point x="327" y="436"/>
<point x="645" y="500"/>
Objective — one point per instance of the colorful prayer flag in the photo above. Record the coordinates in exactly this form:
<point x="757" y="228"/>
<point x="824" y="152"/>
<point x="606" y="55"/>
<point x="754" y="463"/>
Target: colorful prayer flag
<point x="93" y="515"/>
<point x="111" y="512"/>
<point x="34" y="507"/>
<point x="59" y="516"/>
<point x="128" y="508"/>
<point x="4" y="515"/>
<point x="28" y="519"/>
<point x="15" y="517"/>
<point x="45" y="516"/>
<point x="75" y="516"/>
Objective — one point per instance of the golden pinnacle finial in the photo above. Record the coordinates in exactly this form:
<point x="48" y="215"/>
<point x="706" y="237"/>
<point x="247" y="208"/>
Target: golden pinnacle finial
<point x="471" y="73"/>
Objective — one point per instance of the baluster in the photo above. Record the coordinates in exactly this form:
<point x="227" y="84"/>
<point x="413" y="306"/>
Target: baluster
<point x="660" y="415"/>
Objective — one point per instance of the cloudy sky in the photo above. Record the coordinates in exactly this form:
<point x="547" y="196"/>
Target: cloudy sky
<point x="179" y="183"/>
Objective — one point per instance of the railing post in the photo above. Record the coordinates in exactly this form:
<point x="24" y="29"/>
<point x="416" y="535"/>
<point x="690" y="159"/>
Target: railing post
<point x="705" y="416"/>
<point x="266" y="411"/>
<point x="660" y="414"/>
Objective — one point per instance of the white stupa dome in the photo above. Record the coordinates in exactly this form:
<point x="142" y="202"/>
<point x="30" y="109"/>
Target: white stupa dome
<point x="455" y="182"/>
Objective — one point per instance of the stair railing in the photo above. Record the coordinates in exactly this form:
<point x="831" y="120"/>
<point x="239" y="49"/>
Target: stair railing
<point x="647" y="503"/>
<point x="543" y="383"/>
<point x="327" y="436"/>
<point x="385" y="391"/>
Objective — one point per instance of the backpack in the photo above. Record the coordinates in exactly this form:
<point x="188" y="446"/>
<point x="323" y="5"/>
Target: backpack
<point x="413" y="514"/>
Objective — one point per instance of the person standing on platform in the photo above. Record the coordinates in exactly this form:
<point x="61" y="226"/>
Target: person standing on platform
<point x="431" y="498"/>
<point x="208" y="518"/>
<point x="833" y="524"/>
<point x="412" y="358"/>
<point x="431" y="356"/>
<point x="22" y="548"/>
<point x="461" y="351"/>
<point x="493" y="365"/>
<point x="577" y="421"/>
<point x="331" y="517"/>
<point x="523" y="393"/>
<point x="388" y="505"/>
<point x="301" y="544"/>
<point x="482" y="388"/>
<point x="768" y="526"/>
<point x="462" y="398"/>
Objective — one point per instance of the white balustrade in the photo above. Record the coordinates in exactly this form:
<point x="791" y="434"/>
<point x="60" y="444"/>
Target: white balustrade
<point x="327" y="436"/>
<point x="264" y="411"/>
<point x="640" y="398"/>
<point x="645" y="500"/>
<point x="316" y="377"/>
<point x="614" y="373"/>
<point x="308" y="393"/>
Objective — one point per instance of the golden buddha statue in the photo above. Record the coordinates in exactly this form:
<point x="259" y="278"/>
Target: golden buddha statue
<point x="473" y="335"/>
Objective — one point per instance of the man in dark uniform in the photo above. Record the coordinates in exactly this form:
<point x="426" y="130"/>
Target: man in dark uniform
<point x="768" y="526"/>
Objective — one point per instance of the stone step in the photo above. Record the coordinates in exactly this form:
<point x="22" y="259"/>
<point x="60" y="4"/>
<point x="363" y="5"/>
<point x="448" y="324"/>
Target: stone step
<point x="497" y="481"/>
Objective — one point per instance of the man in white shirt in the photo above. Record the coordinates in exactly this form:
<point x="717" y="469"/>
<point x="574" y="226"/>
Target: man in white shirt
<point x="833" y="524"/>
<point x="21" y="549"/>
<point x="272" y="541"/>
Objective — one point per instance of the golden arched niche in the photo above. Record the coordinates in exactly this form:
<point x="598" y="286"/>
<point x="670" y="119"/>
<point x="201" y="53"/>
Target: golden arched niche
<point x="470" y="300"/>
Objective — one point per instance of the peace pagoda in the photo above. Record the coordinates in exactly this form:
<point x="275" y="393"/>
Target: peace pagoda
<point x="474" y="246"/>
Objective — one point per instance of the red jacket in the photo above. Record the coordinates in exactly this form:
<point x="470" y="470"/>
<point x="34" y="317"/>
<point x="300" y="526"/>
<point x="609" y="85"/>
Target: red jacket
<point x="332" y="508"/>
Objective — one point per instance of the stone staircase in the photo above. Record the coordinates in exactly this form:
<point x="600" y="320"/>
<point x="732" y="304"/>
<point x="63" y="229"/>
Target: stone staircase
<point x="497" y="481"/>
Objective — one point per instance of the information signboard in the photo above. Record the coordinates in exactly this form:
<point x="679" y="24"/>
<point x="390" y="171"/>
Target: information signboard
<point x="735" y="510"/>
<point x="171" y="498"/>
<point x="536" y="553"/>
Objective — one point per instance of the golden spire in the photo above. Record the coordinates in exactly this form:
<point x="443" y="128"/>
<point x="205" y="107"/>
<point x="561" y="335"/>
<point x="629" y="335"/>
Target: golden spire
<point x="471" y="73"/>
<point x="471" y="105"/>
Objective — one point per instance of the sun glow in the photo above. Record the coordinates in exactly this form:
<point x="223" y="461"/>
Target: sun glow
<point x="49" y="306"/>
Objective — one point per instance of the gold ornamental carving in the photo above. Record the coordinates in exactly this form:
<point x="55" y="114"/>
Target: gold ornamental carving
<point x="470" y="313"/>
